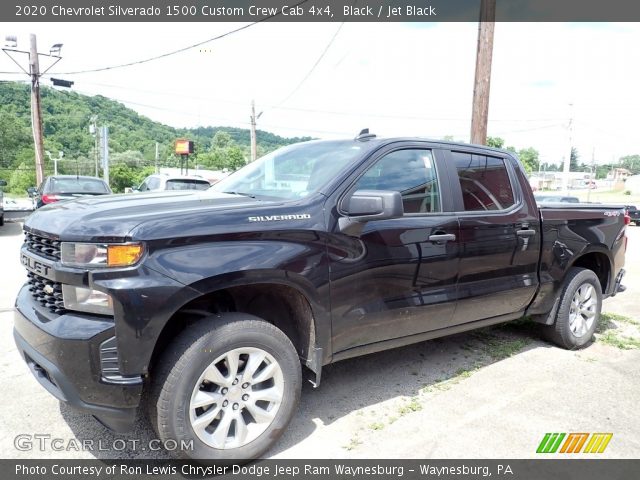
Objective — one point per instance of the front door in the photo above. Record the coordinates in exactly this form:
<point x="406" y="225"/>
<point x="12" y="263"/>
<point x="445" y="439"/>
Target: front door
<point x="398" y="278"/>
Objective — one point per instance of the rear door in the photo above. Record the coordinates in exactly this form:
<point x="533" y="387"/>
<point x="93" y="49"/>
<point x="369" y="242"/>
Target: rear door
<point x="398" y="278"/>
<point x="499" y="238"/>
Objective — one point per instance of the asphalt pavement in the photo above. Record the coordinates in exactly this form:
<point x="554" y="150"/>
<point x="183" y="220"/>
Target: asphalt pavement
<point x="493" y="393"/>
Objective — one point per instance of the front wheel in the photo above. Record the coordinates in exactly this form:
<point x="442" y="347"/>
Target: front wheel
<point x="579" y="310"/>
<point x="229" y="385"/>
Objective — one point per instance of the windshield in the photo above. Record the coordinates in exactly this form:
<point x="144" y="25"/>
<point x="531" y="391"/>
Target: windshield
<point x="77" y="185"/>
<point x="291" y="172"/>
<point x="187" y="184"/>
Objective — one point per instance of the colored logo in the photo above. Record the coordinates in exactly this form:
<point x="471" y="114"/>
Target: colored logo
<point x="574" y="442"/>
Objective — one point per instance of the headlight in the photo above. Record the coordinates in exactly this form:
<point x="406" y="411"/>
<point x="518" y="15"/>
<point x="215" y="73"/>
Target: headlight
<point x="100" y="255"/>
<point x="86" y="300"/>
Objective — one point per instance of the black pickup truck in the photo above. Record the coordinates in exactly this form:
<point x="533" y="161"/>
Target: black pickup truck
<point x="212" y="302"/>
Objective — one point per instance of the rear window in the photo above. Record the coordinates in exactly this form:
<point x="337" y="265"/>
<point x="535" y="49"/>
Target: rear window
<point x="187" y="184"/>
<point x="77" y="185"/>
<point x="484" y="182"/>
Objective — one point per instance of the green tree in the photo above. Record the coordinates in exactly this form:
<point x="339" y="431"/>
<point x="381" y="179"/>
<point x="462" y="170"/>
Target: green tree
<point x="123" y="176"/>
<point x="550" y="167"/>
<point x="131" y="158"/>
<point x="234" y="158"/>
<point x="573" y="161"/>
<point x="221" y="140"/>
<point x="22" y="178"/>
<point x="495" y="142"/>
<point x="603" y="170"/>
<point x="631" y="163"/>
<point x="529" y="158"/>
<point x="66" y="118"/>
<point x="15" y="137"/>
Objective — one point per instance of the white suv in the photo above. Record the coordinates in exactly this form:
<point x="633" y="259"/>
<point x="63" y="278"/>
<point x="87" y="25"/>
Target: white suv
<point x="161" y="182"/>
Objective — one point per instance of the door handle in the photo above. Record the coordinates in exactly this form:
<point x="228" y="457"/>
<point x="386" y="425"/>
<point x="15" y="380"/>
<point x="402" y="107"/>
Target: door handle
<point x="526" y="233"/>
<point x="442" y="237"/>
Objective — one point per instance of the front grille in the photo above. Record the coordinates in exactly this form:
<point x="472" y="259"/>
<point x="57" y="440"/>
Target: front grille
<point x="47" y="292"/>
<point x="42" y="246"/>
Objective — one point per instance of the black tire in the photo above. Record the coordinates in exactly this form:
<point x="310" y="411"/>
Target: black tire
<point x="184" y="361"/>
<point x="560" y="332"/>
<point x="1" y="220"/>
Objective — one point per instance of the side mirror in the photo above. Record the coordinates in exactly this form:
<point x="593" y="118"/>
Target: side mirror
<point x="3" y="183"/>
<point x="32" y="191"/>
<point x="367" y="205"/>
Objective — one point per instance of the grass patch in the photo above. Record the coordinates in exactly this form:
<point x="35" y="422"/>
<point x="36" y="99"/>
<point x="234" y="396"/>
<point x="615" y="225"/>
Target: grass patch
<point x="413" y="406"/>
<point x="589" y="359"/>
<point x="606" y="317"/>
<point x="608" y="334"/>
<point x="500" y="348"/>
<point x="376" y="426"/>
<point x="353" y="443"/>
<point x="443" y="385"/>
<point x="619" y="341"/>
<point x="463" y="373"/>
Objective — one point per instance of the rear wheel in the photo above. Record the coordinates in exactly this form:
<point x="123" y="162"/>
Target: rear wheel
<point x="579" y="310"/>
<point x="229" y="384"/>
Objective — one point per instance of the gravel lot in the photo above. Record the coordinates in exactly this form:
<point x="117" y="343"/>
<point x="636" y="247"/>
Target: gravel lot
<point x="488" y="394"/>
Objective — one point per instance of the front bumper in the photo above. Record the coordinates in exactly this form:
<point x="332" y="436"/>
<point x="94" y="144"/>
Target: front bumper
<point x="63" y="353"/>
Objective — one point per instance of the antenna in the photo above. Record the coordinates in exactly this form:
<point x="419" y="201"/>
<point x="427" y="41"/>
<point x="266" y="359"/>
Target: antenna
<point x="364" y="135"/>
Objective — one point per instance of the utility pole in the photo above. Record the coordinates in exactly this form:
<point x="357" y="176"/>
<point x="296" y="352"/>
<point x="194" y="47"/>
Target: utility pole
<point x="36" y="110"/>
<point x="567" y="161"/>
<point x="592" y="167"/>
<point x="254" y="147"/>
<point x="93" y="129"/>
<point x="157" y="156"/>
<point x="481" y="89"/>
<point x="105" y="153"/>
<point x="11" y="43"/>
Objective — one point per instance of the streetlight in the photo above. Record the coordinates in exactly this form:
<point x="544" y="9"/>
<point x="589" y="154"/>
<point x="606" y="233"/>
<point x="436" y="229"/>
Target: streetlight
<point x="54" y="51"/>
<point x="55" y="160"/>
<point x="10" y="41"/>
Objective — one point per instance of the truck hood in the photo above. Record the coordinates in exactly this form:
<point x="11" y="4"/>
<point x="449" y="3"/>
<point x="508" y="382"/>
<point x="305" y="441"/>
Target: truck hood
<point x="113" y="217"/>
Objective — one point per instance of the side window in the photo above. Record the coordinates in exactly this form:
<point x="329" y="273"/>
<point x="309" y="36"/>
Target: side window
<point x="412" y="173"/>
<point x="484" y="182"/>
<point x="153" y="183"/>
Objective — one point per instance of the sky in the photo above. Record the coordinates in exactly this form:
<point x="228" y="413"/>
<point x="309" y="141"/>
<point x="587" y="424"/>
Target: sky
<point x="330" y="80"/>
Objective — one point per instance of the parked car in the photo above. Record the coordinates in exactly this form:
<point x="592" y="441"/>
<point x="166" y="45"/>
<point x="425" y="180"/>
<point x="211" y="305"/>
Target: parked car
<point x="633" y="213"/>
<point x="556" y="199"/>
<point x="211" y="303"/>
<point x="3" y="183"/>
<point x="18" y="204"/>
<point x="59" y="188"/>
<point x="160" y="182"/>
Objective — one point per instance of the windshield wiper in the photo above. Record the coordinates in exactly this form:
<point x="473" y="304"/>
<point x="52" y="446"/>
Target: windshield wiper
<point x="241" y="193"/>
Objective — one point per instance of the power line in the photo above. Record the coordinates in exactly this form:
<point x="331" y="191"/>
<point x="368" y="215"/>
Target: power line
<point x="307" y="110"/>
<point x="180" y="50"/>
<point x="306" y="77"/>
